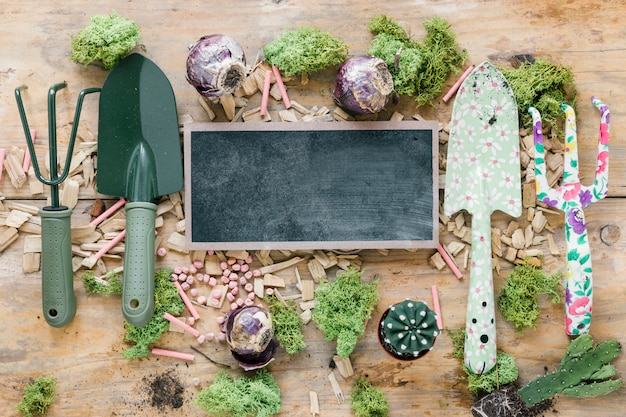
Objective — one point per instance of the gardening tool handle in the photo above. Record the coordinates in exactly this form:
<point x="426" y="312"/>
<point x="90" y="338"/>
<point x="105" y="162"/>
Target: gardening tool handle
<point x="58" y="298"/>
<point x="138" y="287"/>
<point x="578" y="274"/>
<point x="480" y="329"/>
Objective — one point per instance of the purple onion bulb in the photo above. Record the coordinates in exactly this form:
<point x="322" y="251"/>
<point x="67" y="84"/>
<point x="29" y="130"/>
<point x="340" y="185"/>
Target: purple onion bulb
<point x="363" y="85"/>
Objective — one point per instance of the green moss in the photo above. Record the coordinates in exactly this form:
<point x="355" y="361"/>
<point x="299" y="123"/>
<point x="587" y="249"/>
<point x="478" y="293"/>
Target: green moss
<point x="367" y="401"/>
<point x="423" y="67"/>
<point x="545" y="86"/>
<point x="305" y="50"/>
<point x="37" y="397"/>
<point x="503" y="373"/>
<point x="257" y="395"/>
<point x="287" y="325"/>
<point x="518" y="297"/>
<point x="166" y="299"/>
<point x="106" y="38"/>
<point x="111" y="284"/>
<point x="342" y="308"/>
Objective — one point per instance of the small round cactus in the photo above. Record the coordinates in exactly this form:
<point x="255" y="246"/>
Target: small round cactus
<point x="407" y="330"/>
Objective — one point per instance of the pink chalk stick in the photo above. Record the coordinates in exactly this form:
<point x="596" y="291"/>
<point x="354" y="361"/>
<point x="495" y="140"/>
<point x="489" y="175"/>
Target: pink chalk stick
<point x="436" y="306"/>
<point x="457" y="84"/>
<point x="112" y="243"/>
<point x="183" y="296"/>
<point x="281" y="87"/>
<point x="26" y="162"/>
<point x="266" y="92"/>
<point x="182" y="325"/>
<point x="108" y="212"/>
<point x="449" y="261"/>
<point x="2" y="154"/>
<point x="173" y="354"/>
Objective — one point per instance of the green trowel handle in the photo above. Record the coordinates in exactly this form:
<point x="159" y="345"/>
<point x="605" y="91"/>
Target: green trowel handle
<point x="59" y="301"/>
<point x="480" y="329"/>
<point x="138" y="288"/>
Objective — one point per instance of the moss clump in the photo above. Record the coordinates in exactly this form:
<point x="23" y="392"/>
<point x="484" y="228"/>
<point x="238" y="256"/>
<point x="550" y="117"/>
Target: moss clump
<point x="505" y="371"/>
<point x="518" y="297"/>
<point x="305" y="50"/>
<point x="544" y="86"/>
<point x="258" y="396"/>
<point x="287" y="325"/>
<point x="342" y="308"/>
<point x="423" y="67"/>
<point x="38" y="396"/>
<point x="166" y="299"/>
<point x="111" y="284"/>
<point x="106" y="38"/>
<point x="367" y="401"/>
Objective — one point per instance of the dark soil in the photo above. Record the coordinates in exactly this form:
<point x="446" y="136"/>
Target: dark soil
<point x="506" y="402"/>
<point x="165" y="390"/>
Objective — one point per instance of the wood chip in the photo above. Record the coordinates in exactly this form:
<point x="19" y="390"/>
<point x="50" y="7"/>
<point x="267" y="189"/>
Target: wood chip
<point x="437" y="261"/>
<point x="511" y="228"/>
<point x="317" y="270"/>
<point x="36" y="186"/>
<point x="518" y="239"/>
<point x="315" y="405"/>
<point x="228" y="103"/>
<point x="205" y="105"/>
<point x="14" y="168"/>
<point x="511" y="254"/>
<point x="17" y="218"/>
<point x="306" y="316"/>
<point x="336" y="387"/>
<point x="270" y="269"/>
<point x="529" y="197"/>
<point x="344" y="366"/>
<point x="554" y="249"/>
<point x="539" y="222"/>
<point x="7" y="237"/>
<point x="212" y="265"/>
<point x="271" y="280"/>
<point x="176" y="242"/>
<point x="69" y="195"/>
<point x="528" y="236"/>
<point x="496" y="242"/>
<point x="259" y="287"/>
<point x="308" y="290"/>
<point x="238" y="254"/>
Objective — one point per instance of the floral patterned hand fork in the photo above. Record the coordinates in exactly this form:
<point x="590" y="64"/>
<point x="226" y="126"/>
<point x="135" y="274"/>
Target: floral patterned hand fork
<point x="572" y="197"/>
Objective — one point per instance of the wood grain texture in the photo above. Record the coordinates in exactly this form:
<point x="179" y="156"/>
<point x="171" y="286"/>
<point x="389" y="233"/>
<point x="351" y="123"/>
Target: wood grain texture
<point x="85" y="357"/>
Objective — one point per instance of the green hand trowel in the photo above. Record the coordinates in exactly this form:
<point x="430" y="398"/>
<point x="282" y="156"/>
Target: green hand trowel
<point x="139" y="158"/>
<point x="483" y="175"/>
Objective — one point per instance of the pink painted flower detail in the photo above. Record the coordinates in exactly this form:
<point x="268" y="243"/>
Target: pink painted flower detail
<point x="603" y="158"/>
<point x="571" y="191"/>
<point x="580" y="306"/>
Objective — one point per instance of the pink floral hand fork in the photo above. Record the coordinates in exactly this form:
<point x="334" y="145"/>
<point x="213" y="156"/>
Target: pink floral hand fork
<point x="572" y="197"/>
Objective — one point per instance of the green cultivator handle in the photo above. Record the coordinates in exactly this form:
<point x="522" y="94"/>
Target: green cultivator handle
<point x="138" y="288"/>
<point x="59" y="301"/>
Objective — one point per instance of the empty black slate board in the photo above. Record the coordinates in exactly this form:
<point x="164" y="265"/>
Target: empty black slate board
<point x="344" y="185"/>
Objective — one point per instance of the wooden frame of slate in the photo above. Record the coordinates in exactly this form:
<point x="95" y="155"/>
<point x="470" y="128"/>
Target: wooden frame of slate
<point x="313" y="185"/>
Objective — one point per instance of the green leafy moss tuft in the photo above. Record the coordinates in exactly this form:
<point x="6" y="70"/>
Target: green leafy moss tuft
<point x="257" y="396"/>
<point x="106" y="38"/>
<point x="544" y="86"/>
<point x="111" y="284"/>
<point x="342" y="308"/>
<point x="518" y="297"/>
<point x="423" y="67"/>
<point x="505" y="371"/>
<point x="367" y="401"/>
<point x="37" y="397"/>
<point x="287" y="325"/>
<point x="166" y="299"/>
<point x="305" y="50"/>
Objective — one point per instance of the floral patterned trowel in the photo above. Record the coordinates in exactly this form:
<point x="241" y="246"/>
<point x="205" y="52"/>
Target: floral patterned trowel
<point x="572" y="197"/>
<point x="483" y="175"/>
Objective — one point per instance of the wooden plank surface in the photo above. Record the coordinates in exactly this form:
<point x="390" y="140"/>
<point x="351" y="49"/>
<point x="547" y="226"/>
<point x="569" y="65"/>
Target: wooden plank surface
<point x="85" y="357"/>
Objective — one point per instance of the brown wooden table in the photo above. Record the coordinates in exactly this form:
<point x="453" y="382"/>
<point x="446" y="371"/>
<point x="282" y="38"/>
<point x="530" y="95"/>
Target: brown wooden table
<point x="85" y="357"/>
